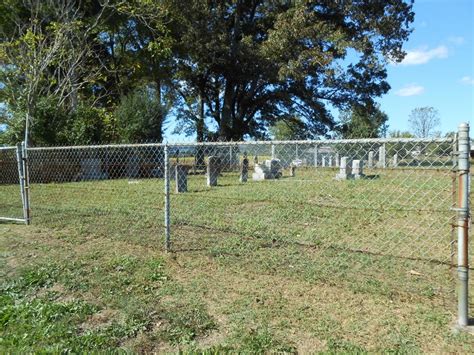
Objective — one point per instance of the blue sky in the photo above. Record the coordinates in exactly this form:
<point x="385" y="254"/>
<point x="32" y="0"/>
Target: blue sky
<point x="438" y="70"/>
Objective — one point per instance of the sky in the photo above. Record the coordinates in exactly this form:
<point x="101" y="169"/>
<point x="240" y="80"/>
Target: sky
<point x="438" y="69"/>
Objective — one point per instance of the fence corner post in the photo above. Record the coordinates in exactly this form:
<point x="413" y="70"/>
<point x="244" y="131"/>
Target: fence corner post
<point x="167" y="199"/>
<point x="463" y="223"/>
<point x="26" y="183"/>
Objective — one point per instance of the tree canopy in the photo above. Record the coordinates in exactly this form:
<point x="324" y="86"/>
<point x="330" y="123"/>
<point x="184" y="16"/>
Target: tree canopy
<point x="229" y="69"/>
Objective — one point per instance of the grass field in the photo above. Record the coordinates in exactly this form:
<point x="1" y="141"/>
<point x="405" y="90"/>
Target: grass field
<point x="300" y="264"/>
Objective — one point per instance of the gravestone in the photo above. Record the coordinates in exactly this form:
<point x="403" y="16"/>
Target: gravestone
<point x="274" y="167"/>
<point x="91" y="169"/>
<point x="181" y="177"/>
<point x="357" y="169"/>
<point x="370" y="163"/>
<point x="337" y="159"/>
<point x="213" y="170"/>
<point x="292" y="171"/>
<point x="382" y="162"/>
<point x="244" y="170"/>
<point x="343" y="169"/>
<point x="316" y="156"/>
<point x="395" y="160"/>
<point x="270" y="169"/>
<point x="259" y="173"/>
<point x="323" y="161"/>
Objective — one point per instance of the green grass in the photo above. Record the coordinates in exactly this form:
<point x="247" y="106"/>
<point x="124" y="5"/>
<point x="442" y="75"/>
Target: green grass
<point x="303" y="264"/>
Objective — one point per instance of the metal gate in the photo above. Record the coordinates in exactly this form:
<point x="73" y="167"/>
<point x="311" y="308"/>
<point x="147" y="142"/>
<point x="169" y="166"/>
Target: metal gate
<point x="14" y="199"/>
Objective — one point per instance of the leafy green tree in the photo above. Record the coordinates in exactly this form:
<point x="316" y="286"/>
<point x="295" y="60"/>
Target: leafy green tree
<point x="255" y="61"/>
<point x="400" y="134"/>
<point x="290" y="129"/>
<point x="363" y="122"/>
<point x="140" y="117"/>
<point x="43" y="56"/>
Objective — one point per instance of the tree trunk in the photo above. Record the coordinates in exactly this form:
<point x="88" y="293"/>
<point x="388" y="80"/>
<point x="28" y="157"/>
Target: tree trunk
<point x="200" y="121"/>
<point x="225" y="127"/>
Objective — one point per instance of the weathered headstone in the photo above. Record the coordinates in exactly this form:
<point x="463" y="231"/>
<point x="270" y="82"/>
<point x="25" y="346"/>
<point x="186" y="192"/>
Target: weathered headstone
<point x="274" y="167"/>
<point x="343" y="169"/>
<point x="213" y="170"/>
<point x="244" y="170"/>
<point x="323" y="161"/>
<point x="357" y="169"/>
<point x="271" y="169"/>
<point x="292" y="171"/>
<point x="382" y="162"/>
<point x="181" y="177"/>
<point x="259" y="173"/>
<point x="395" y="160"/>
<point x="370" y="163"/>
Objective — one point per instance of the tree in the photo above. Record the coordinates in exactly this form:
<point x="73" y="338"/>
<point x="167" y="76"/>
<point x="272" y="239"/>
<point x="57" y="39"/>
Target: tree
<point x="252" y="62"/>
<point x="400" y="134"/>
<point x="363" y="122"/>
<point x="292" y="128"/>
<point x="140" y="116"/>
<point x="44" y="50"/>
<point x="423" y="122"/>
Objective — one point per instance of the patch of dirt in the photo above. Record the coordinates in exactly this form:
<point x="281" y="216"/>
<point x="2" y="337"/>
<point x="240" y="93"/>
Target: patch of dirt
<point x="101" y="319"/>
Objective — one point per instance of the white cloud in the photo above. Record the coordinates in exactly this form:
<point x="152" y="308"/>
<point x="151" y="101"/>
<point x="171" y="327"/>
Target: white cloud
<point x="467" y="80"/>
<point x="410" y="90"/>
<point x="457" y="40"/>
<point x="424" y="55"/>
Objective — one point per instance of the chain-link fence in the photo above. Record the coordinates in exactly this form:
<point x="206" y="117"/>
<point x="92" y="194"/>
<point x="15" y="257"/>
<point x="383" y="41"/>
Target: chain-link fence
<point x="365" y="214"/>
<point x="11" y="205"/>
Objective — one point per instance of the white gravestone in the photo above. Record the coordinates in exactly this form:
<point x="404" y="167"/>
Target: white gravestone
<point x="382" y="163"/>
<point x="270" y="169"/>
<point x="357" y="169"/>
<point x="343" y="169"/>
<point x="370" y="163"/>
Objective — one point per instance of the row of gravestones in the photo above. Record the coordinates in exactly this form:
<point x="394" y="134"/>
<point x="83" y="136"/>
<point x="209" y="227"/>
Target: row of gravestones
<point x="346" y="172"/>
<point x="270" y="169"/>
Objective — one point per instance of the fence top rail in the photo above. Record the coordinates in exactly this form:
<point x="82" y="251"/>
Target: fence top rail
<point x="7" y="148"/>
<point x="238" y="143"/>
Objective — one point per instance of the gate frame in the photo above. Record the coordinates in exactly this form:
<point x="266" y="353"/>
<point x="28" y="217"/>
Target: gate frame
<point x="23" y="180"/>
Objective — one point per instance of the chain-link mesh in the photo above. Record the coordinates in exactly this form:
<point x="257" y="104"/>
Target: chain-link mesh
<point x="362" y="213"/>
<point x="108" y="191"/>
<point x="10" y="194"/>
<point x="378" y="211"/>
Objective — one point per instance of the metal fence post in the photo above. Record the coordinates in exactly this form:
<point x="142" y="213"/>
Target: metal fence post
<point x="21" y="177"/>
<point x="463" y="223"/>
<point x="26" y="184"/>
<point x="167" y="200"/>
